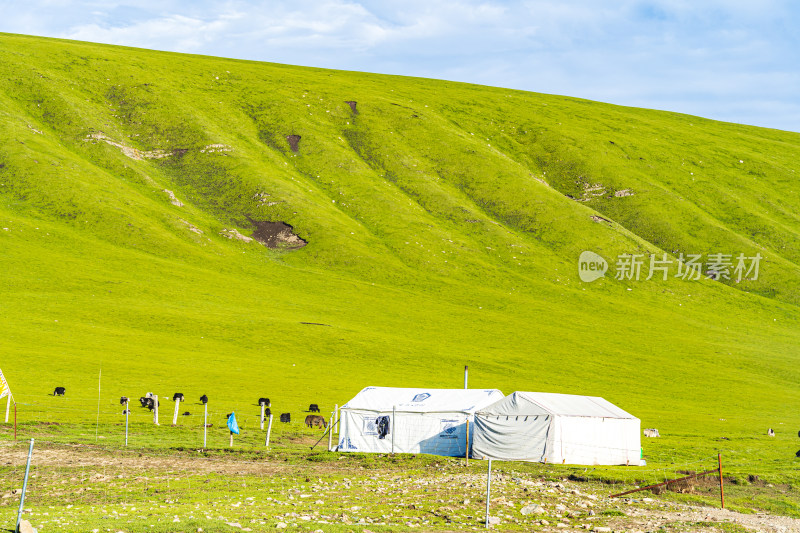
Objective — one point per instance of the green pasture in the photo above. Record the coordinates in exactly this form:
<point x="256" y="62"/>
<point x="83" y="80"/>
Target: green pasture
<point x="444" y="223"/>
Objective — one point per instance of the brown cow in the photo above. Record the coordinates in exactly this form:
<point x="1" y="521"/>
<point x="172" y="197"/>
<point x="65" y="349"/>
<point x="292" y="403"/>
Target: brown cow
<point x="316" y="421"/>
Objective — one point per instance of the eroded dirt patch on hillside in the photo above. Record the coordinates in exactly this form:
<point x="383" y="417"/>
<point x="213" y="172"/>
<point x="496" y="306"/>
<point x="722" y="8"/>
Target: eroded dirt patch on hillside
<point x="277" y="235"/>
<point x="294" y="142"/>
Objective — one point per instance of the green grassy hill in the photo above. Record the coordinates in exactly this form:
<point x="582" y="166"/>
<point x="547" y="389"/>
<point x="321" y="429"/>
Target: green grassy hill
<point x="443" y="224"/>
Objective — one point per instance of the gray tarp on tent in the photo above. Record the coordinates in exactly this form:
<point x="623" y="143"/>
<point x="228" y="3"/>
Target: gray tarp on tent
<point x="556" y="428"/>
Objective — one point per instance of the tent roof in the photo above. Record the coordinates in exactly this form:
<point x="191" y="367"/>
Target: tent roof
<point x="423" y="400"/>
<point x="536" y="403"/>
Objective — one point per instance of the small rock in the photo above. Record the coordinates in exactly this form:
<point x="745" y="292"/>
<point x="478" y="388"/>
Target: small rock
<point x="602" y="529"/>
<point x="494" y="520"/>
<point x="234" y="524"/>
<point x="532" y="508"/>
<point x="26" y="527"/>
<point x="544" y="522"/>
<point x="281" y="525"/>
<point x="561" y="525"/>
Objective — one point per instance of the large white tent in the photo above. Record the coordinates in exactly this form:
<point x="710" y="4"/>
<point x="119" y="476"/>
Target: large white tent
<point x="557" y="428"/>
<point x="432" y="421"/>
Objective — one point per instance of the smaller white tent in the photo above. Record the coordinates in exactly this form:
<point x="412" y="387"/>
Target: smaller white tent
<point x="432" y="421"/>
<point x="557" y="428"/>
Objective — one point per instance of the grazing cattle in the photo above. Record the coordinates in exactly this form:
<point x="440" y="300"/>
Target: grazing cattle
<point x="60" y="391"/>
<point x="267" y="412"/>
<point x="143" y="401"/>
<point x="204" y="399"/>
<point x="187" y="413"/>
<point x="286" y="418"/>
<point x="149" y="395"/>
<point x="316" y="421"/>
<point x="126" y="411"/>
<point x="771" y="433"/>
<point x="651" y="432"/>
<point x="123" y="400"/>
<point x="177" y="396"/>
<point x="314" y="408"/>
<point x="264" y="401"/>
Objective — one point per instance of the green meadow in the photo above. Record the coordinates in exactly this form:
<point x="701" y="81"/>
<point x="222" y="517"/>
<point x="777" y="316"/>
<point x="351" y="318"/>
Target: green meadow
<point x="443" y="224"/>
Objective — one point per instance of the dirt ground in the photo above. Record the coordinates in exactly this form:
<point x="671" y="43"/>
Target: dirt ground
<point x="568" y="505"/>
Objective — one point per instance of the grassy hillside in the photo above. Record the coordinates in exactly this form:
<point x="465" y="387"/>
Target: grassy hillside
<point x="443" y="224"/>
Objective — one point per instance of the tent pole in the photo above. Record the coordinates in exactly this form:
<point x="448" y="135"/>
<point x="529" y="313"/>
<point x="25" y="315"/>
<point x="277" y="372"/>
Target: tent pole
<point x="466" y="449"/>
<point x="394" y="415"/>
<point x="466" y="374"/>
<point x="8" y="406"/>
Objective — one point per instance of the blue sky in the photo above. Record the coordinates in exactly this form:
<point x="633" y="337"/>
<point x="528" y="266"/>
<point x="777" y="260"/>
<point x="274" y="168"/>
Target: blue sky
<point x="730" y="60"/>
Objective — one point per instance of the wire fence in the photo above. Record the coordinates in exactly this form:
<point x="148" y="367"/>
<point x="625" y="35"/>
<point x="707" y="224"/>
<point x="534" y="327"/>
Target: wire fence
<point x="167" y="466"/>
<point x="184" y="424"/>
<point x="68" y="481"/>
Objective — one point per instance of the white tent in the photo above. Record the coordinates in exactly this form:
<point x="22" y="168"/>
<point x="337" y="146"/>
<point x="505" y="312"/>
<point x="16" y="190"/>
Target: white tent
<point x="433" y="421"/>
<point x="557" y="428"/>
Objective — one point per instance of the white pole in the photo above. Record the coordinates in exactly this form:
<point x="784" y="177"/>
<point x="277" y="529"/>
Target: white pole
<point x="24" y="486"/>
<point x="332" y="424"/>
<point x="330" y="432"/>
<point x="394" y="415"/>
<point x="466" y="374"/>
<point x="97" y="423"/>
<point x="488" y="491"/>
<point x="338" y="427"/>
<point x="8" y="406"/>
<point x="127" y="412"/>
<point x="262" y="416"/>
<point x="155" y="410"/>
<point x="269" y="430"/>
<point x="177" y="407"/>
<point x="205" y="424"/>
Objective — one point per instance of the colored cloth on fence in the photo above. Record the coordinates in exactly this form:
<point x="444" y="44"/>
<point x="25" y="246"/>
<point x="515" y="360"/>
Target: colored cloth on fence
<point x="232" y="425"/>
